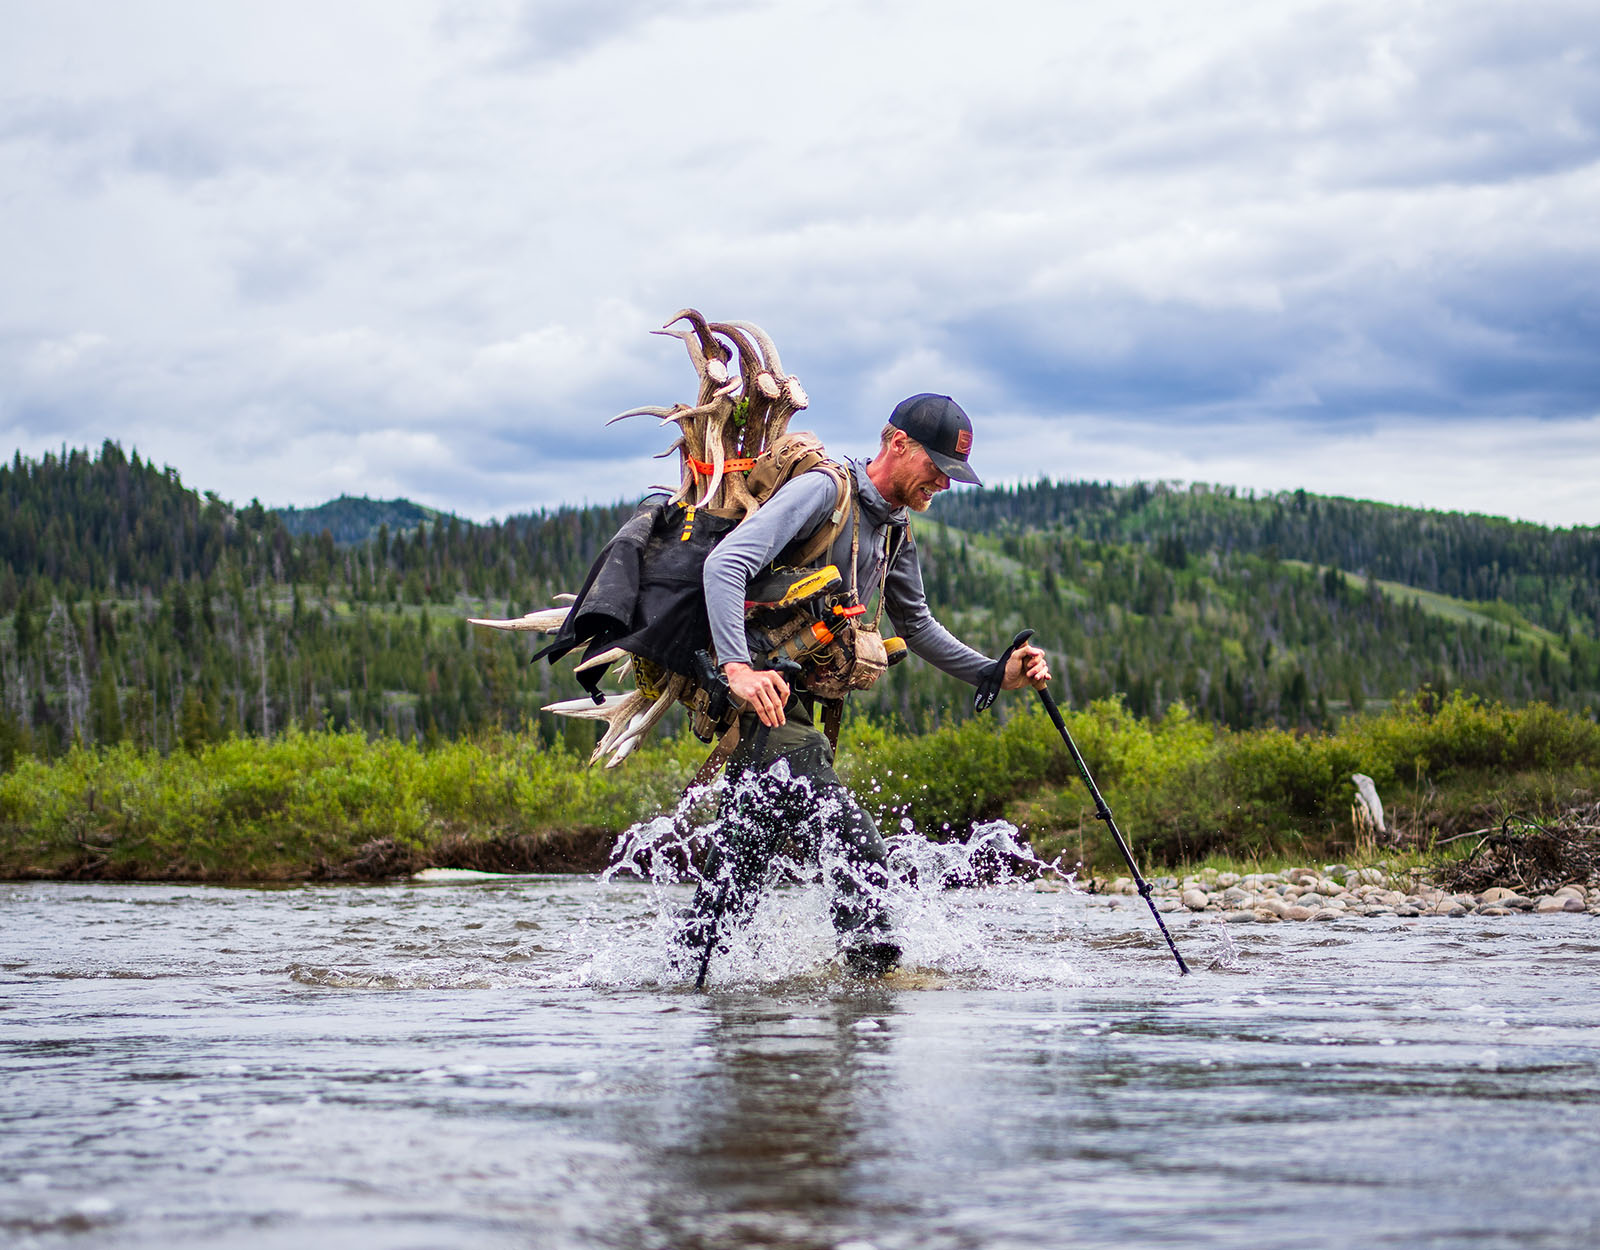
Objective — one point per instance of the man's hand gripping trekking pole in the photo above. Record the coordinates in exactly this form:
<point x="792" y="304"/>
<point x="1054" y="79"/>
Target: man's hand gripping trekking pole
<point x="1001" y="678"/>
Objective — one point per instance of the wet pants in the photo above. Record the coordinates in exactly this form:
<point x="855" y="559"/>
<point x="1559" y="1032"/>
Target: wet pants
<point x="765" y="811"/>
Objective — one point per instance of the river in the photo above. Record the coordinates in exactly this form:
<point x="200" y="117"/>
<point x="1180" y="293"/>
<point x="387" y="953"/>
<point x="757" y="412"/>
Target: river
<point x="510" y="1063"/>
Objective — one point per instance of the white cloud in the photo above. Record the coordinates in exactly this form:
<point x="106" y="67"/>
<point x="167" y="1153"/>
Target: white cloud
<point x="279" y="245"/>
<point x="1529" y="470"/>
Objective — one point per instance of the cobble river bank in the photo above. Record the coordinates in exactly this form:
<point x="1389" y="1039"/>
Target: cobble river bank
<point x="511" y="1063"/>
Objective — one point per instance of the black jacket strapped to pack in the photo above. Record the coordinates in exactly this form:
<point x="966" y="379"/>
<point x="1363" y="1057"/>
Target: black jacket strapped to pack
<point x="644" y="594"/>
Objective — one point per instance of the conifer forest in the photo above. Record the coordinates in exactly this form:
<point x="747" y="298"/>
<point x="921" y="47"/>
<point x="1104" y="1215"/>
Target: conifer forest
<point x="134" y="608"/>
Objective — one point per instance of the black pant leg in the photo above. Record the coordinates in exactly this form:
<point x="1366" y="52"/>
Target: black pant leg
<point x="861" y="879"/>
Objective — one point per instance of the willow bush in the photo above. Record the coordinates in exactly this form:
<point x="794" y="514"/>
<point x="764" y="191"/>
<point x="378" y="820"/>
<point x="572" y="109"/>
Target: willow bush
<point x="299" y="805"/>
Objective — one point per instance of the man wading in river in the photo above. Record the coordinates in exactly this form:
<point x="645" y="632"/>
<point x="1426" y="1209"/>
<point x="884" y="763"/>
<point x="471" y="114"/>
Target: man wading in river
<point x="782" y="785"/>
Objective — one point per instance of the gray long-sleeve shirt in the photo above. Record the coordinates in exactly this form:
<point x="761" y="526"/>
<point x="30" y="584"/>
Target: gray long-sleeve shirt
<point x="797" y="510"/>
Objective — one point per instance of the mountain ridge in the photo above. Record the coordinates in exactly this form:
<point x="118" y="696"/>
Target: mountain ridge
<point x="131" y="605"/>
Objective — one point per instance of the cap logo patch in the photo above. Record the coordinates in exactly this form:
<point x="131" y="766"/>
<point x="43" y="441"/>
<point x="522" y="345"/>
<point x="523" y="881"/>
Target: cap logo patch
<point x="963" y="442"/>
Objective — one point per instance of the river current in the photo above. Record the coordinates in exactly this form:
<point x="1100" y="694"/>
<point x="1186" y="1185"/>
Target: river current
<point x="514" y="1063"/>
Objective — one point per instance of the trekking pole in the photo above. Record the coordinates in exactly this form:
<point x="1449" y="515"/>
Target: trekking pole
<point x="986" y="694"/>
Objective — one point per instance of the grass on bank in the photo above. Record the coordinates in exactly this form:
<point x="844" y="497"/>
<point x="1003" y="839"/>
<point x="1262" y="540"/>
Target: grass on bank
<point x="1182" y="791"/>
<point x="310" y="805"/>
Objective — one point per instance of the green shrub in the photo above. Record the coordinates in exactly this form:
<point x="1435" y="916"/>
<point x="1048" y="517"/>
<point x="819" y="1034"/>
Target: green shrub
<point x="291" y="806"/>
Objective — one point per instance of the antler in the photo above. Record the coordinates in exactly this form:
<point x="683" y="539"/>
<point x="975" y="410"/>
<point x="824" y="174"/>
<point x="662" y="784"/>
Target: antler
<point x="544" y="621"/>
<point x="649" y="410"/>
<point x="708" y="341"/>
<point x="752" y="364"/>
<point x="765" y="398"/>
<point x="710" y="369"/>
<point x="641" y="723"/>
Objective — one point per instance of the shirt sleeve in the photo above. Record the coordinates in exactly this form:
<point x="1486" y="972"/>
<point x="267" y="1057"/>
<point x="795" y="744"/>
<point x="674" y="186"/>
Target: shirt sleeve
<point x="906" y="602"/>
<point x="796" y="510"/>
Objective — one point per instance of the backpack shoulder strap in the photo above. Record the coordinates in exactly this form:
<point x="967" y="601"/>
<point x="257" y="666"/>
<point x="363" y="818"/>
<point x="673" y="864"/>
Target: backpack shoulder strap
<point x="795" y="453"/>
<point x="831" y="528"/>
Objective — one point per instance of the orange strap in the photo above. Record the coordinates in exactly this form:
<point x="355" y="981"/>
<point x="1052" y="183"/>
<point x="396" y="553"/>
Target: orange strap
<point x="728" y="466"/>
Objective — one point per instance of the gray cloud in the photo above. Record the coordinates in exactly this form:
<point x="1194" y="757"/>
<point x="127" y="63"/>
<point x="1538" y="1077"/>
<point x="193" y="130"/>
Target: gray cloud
<point x="415" y="246"/>
<point x="552" y="30"/>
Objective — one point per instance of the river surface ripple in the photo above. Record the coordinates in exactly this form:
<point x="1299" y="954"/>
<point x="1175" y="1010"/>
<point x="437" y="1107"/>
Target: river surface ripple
<point x="502" y="1064"/>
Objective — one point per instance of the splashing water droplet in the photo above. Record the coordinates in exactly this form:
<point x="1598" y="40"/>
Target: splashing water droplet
<point x="1227" y="954"/>
<point x="943" y="901"/>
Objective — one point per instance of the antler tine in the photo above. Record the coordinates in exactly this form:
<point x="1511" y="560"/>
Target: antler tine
<point x="644" y="721"/>
<point x="600" y="661"/>
<point x="778" y="426"/>
<point x="681" y="414"/>
<point x="739" y="497"/>
<point x="709" y="368"/>
<point x="544" y="621"/>
<point x="708" y="341"/>
<point x="769" y="349"/>
<point x="647" y="410"/>
<point x="693" y="440"/>
<point x="718" y="458"/>
<point x="584" y="708"/>
<point x="628" y="707"/>
<point x="758" y="380"/>
<point x="769" y="356"/>
<point x="750" y="362"/>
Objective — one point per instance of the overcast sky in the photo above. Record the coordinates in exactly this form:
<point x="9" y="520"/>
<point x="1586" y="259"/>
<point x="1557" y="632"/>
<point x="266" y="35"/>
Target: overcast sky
<point x="415" y="247"/>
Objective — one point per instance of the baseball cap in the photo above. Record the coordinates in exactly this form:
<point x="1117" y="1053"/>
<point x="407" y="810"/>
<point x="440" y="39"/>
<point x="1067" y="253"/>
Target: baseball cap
<point x="945" y="432"/>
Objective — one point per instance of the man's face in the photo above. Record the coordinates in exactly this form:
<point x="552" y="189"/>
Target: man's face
<point x="916" y="479"/>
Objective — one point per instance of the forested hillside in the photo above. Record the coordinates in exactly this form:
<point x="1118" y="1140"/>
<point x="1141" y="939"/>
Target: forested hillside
<point x="138" y="610"/>
<point x="132" y="607"/>
<point x="1551" y="575"/>
<point x="350" y="521"/>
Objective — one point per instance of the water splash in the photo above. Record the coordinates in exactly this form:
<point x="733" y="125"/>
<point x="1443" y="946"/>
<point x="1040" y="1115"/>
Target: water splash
<point x="952" y="906"/>
<point x="1225" y="956"/>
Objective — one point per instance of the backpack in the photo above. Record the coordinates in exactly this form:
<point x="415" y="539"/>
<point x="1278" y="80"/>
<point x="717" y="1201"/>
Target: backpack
<point x="643" y="601"/>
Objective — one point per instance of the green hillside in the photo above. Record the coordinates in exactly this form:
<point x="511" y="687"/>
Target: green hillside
<point x="351" y="521"/>
<point x="132" y="607"/>
<point x="1551" y="575"/>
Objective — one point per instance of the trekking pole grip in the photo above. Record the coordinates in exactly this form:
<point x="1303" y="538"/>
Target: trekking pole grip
<point x="989" y="687"/>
